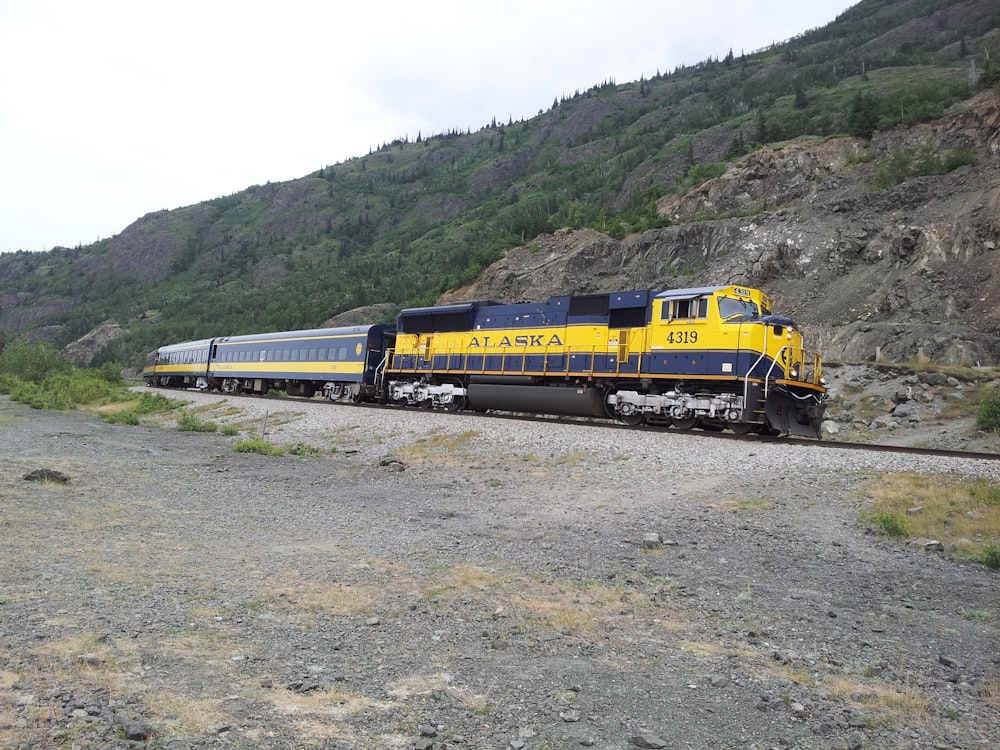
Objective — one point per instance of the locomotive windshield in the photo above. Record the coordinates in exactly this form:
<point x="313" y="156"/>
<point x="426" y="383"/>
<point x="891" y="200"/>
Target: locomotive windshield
<point x="743" y="308"/>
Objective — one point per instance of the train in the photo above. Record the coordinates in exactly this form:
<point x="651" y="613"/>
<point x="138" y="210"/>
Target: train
<point x="715" y="358"/>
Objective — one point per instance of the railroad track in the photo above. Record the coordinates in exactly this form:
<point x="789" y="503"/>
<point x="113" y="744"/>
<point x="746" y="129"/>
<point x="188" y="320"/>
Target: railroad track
<point x="612" y="425"/>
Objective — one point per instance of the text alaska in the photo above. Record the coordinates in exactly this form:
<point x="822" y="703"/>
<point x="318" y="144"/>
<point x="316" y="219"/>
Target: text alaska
<point x="531" y="340"/>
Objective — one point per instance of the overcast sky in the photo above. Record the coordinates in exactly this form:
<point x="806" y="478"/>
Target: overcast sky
<point x="112" y="109"/>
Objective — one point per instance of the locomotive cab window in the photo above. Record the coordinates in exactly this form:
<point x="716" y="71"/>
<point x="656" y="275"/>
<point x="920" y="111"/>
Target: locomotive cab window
<point x="687" y="309"/>
<point x="732" y="308"/>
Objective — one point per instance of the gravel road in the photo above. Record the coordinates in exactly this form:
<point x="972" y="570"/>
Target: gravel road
<point x="427" y="582"/>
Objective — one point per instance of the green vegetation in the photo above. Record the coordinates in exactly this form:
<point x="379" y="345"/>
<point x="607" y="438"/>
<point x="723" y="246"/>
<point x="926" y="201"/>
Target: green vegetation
<point x="963" y="515"/>
<point x="890" y="523"/>
<point x="258" y="444"/>
<point x="904" y="164"/>
<point x="39" y="376"/>
<point x="416" y="217"/>
<point x="188" y="422"/>
<point x="148" y="403"/>
<point x="988" y="412"/>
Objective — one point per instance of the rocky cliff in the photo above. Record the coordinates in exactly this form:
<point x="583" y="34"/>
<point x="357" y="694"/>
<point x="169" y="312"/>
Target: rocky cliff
<point x="906" y="273"/>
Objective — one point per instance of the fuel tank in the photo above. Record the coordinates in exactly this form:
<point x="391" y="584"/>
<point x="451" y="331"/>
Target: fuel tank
<point x="578" y="401"/>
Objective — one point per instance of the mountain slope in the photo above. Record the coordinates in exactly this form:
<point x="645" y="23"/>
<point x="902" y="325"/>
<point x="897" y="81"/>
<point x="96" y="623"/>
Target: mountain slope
<point x="910" y="271"/>
<point x="412" y="219"/>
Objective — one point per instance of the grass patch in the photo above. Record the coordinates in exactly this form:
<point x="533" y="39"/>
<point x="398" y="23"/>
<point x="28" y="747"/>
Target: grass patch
<point x="439" y="445"/>
<point x="259" y="445"/>
<point x="745" y="504"/>
<point x="963" y="515"/>
<point x="129" y="412"/>
<point x="188" y="422"/>
<point x="978" y="615"/>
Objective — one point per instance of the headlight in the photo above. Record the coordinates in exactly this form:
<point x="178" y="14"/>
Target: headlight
<point x="795" y="372"/>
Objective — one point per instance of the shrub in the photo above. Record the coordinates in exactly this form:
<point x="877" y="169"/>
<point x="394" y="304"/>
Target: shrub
<point x="988" y="412"/>
<point x="258" y="445"/>
<point x="891" y="523"/>
<point x="152" y="403"/>
<point x="991" y="556"/>
<point x="188" y="422"/>
<point x="110" y="372"/>
<point x="304" y="449"/>
<point x="126" y="416"/>
<point x="31" y="361"/>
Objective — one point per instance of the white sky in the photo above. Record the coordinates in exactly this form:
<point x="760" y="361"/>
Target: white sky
<point x="111" y="109"/>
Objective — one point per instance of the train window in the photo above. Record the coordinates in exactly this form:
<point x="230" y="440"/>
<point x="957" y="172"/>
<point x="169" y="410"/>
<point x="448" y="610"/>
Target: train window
<point x="729" y="308"/>
<point x="312" y="354"/>
<point x="284" y="355"/>
<point x="295" y="355"/>
<point x="690" y="308"/>
<point x="342" y="353"/>
<point x="322" y="354"/>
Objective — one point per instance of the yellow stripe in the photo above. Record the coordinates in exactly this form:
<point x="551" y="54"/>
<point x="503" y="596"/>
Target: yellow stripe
<point x="192" y="369"/>
<point x="272" y="368"/>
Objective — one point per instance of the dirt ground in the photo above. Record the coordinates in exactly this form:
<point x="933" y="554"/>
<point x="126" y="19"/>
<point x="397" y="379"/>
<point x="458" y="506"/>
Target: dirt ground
<point x="471" y="585"/>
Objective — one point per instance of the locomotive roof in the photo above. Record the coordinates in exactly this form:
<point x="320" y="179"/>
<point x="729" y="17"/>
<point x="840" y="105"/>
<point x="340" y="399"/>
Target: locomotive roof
<point x="689" y="293"/>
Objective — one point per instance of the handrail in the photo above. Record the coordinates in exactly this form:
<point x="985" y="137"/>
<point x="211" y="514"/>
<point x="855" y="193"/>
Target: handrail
<point x="775" y="362"/>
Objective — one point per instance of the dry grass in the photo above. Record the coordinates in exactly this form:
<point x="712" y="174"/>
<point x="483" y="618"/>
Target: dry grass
<point x="440" y="682"/>
<point x="963" y="515"/>
<point x="187" y="715"/>
<point x="885" y="703"/>
<point x="440" y="447"/>
<point x="743" y="504"/>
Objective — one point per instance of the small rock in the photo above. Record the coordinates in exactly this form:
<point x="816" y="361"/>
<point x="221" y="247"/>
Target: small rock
<point x="136" y="732"/>
<point x="648" y="741"/>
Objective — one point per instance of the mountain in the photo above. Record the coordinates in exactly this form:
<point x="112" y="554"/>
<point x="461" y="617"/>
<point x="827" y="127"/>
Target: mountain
<point x="851" y="172"/>
<point x="908" y="272"/>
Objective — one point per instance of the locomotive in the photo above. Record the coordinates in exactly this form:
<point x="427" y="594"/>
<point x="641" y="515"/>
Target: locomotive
<point x="709" y="357"/>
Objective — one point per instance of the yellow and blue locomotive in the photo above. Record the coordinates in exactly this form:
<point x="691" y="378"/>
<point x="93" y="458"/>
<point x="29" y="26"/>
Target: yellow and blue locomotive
<point x="714" y="357"/>
<point x="710" y="357"/>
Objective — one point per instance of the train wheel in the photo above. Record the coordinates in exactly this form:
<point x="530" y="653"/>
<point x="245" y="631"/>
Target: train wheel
<point x="743" y="428"/>
<point x="457" y="403"/>
<point x="687" y="423"/>
<point x="632" y="420"/>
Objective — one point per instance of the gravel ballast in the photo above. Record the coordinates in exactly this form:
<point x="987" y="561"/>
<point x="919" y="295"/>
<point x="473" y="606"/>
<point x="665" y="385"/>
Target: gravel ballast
<point x="431" y="581"/>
